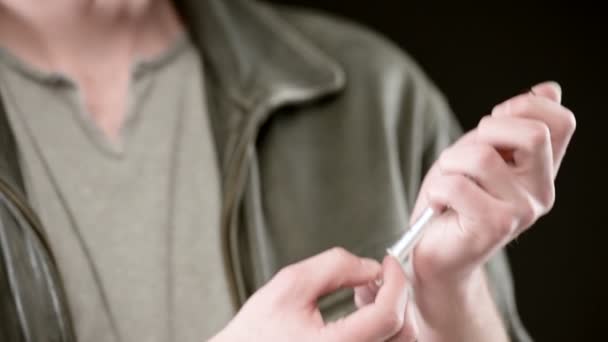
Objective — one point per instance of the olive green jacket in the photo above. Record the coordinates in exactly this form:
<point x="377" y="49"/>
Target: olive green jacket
<point x="323" y="130"/>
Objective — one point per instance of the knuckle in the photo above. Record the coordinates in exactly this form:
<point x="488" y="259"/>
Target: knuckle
<point x="520" y="106"/>
<point x="456" y="186"/>
<point x="341" y="259"/>
<point x="504" y="108"/>
<point x="484" y="122"/>
<point x="497" y="109"/>
<point x="485" y="126"/>
<point x="569" y="122"/>
<point x="539" y="135"/>
<point x="393" y="321"/>
<point x="564" y="126"/>
<point x="504" y="223"/>
<point x="288" y="277"/>
<point x="485" y="157"/>
<point x="528" y="214"/>
<point x="339" y="254"/>
<point x="444" y="158"/>
<point x="547" y="198"/>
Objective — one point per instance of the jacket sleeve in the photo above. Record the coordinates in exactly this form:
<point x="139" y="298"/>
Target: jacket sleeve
<point x="428" y="126"/>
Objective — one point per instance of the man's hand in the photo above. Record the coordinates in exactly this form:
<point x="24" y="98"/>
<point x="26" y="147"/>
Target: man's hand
<point x="491" y="185"/>
<point x="285" y="309"/>
<point x="495" y="182"/>
<point x="492" y="200"/>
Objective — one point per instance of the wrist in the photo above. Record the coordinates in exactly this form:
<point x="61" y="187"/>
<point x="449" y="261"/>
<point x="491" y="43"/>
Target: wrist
<point x="463" y="310"/>
<point x="441" y="300"/>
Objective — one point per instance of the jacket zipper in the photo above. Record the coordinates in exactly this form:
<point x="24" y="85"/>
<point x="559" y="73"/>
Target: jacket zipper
<point x="236" y="181"/>
<point x="235" y="184"/>
<point x="28" y="213"/>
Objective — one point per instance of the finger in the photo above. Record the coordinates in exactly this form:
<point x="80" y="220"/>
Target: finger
<point x="409" y="332"/>
<point x="532" y="154"/>
<point x="482" y="163"/>
<point x="559" y="120"/>
<point x="529" y="139"/>
<point x="550" y="90"/>
<point x="380" y="320"/>
<point x="420" y="204"/>
<point x="485" y="221"/>
<point x="327" y="272"/>
<point x="365" y="294"/>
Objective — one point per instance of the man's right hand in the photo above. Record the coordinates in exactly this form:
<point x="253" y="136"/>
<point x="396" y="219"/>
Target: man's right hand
<point x="286" y="309"/>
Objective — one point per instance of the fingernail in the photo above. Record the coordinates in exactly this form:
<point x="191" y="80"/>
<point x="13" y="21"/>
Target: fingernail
<point x="553" y="84"/>
<point x="556" y="85"/>
<point x="558" y="88"/>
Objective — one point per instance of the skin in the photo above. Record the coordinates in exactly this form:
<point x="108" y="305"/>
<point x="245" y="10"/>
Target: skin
<point x="491" y="185"/>
<point x="286" y="307"/>
<point x="93" y="42"/>
<point x="491" y="201"/>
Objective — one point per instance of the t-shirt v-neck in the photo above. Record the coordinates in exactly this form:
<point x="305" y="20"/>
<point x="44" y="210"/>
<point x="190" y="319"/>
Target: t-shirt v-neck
<point x="134" y="227"/>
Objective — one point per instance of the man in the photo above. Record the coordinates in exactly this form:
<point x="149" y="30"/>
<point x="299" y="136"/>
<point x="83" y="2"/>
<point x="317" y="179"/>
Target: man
<point x="180" y="171"/>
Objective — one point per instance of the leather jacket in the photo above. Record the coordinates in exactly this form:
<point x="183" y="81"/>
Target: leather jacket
<point x="323" y="131"/>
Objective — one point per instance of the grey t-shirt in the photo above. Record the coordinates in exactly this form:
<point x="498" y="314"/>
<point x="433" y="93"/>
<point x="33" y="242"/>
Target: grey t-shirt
<point x="134" y="226"/>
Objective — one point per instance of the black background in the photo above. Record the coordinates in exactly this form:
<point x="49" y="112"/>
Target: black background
<point x="480" y="57"/>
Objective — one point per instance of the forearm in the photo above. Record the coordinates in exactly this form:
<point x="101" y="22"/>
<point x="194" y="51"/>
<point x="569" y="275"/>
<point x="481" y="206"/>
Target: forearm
<point x="467" y="313"/>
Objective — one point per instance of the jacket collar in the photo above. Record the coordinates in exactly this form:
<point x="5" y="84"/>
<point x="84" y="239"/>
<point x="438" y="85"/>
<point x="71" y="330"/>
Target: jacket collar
<point x="255" y="56"/>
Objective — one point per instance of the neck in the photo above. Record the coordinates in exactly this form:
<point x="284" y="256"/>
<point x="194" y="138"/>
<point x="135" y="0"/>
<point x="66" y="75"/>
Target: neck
<point x="62" y="35"/>
<point x="94" y="42"/>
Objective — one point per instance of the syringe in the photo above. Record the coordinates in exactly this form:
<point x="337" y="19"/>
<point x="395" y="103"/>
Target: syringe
<point x="403" y="247"/>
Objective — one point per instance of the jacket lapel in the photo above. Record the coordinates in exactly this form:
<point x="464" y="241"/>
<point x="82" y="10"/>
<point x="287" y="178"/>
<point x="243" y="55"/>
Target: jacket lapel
<point x="10" y="171"/>
<point x="255" y="60"/>
<point x="254" y="63"/>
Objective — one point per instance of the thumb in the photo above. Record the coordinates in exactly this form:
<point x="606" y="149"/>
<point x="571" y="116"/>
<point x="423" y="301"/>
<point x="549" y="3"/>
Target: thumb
<point x="381" y="319"/>
<point x="550" y="90"/>
<point x="330" y="271"/>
